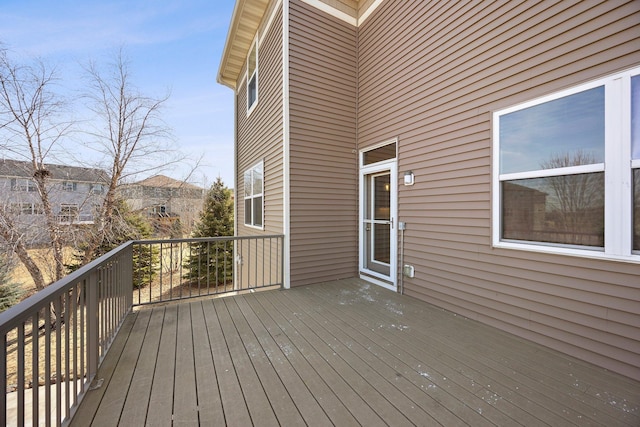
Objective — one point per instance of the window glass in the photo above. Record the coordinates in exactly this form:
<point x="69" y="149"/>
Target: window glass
<point x="252" y="60"/>
<point x="247" y="184"/>
<point x="635" y="117"/>
<point x="567" y="131"/>
<point x="252" y="76"/>
<point x="636" y="209"/>
<point x="253" y="200"/>
<point x="257" y="211"/>
<point x="379" y="154"/>
<point x="559" y="209"/>
<point x="257" y="180"/>
<point x="247" y="212"/>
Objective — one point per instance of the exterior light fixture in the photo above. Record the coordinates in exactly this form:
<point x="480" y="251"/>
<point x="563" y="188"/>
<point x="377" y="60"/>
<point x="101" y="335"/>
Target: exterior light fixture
<point x="408" y="178"/>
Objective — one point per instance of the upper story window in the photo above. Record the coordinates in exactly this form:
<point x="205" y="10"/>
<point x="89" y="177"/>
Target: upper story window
<point x="564" y="171"/>
<point x="97" y="188"/>
<point x="23" y="184"/>
<point x="252" y="77"/>
<point x="253" y="195"/>
<point x="70" y="186"/>
<point x="68" y="213"/>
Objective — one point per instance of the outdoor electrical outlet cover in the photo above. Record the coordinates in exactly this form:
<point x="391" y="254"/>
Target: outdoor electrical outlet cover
<point x="409" y="271"/>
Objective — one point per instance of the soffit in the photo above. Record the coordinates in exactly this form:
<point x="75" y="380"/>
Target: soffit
<point x="246" y="19"/>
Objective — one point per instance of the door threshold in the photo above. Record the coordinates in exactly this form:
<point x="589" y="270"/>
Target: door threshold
<point x="388" y="285"/>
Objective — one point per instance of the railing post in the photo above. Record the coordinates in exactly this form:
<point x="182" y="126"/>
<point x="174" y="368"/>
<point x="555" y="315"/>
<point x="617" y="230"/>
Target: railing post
<point x="281" y="262"/>
<point x="3" y="374"/>
<point x="93" y="328"/>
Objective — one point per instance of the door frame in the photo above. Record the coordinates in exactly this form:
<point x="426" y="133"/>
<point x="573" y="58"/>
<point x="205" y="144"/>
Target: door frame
<point x="391" y="166"/>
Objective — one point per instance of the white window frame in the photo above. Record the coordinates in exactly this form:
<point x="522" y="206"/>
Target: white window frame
<point x="248" y="78"/>
<point x="23" y="184"/>
<point x="70" y="186"/>
<point x="253" y="195"/>
<point x="617" y="167"/>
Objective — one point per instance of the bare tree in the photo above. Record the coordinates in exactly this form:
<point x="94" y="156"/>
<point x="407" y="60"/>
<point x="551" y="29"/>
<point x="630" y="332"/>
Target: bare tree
<point x="578" y="197"/>
<point x="31" y="127"/>
<point x="127" y="131"/>
<point x="130" y="135"/>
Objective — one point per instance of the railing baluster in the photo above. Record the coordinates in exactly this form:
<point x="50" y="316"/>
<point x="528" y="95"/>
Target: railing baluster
<point x="47" y="364"/>
<point x="59" y="320"/>
<point x="35" y="371"/>
<point x="20" y="389"/>
<point x="74" y="311"/>
<point x="3" y="374"/>
<point x="67" y="348"/>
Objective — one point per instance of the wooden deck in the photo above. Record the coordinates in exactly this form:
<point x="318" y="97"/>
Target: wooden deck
<point x="341" y="353"/>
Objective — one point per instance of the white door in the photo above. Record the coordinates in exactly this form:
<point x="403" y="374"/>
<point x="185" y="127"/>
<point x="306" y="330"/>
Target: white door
<point x="378" y="236"/>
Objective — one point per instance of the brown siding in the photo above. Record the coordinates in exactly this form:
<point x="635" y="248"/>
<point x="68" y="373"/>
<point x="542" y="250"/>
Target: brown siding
<point x="260" y="135"/>
<point x="431" y="73"/>
<point x="323" y="166"/>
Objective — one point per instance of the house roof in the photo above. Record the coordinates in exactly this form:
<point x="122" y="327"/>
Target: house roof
<point x="162" y="181"/>
<point x="245" y="21"/>
<point x="22" y="169"/>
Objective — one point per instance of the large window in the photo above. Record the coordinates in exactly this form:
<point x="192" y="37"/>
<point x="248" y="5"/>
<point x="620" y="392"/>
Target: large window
<point x="21" y="184"/>
<point x="562" y="176"/>
<point x="252" y="77"/>
<point x="253" y="196"/>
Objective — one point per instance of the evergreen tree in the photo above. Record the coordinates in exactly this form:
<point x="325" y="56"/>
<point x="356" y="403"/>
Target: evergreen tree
<point x="212" y="262"/>
<point x="10" y="292"/>
<point x="130" y="225"/>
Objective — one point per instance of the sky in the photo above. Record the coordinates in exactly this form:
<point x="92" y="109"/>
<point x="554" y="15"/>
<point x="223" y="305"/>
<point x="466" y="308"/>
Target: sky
<point x="174" y="46"/>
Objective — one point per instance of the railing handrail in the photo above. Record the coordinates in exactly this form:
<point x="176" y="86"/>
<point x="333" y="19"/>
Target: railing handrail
<point x="14" y="315"/>
<point x="18" y="313"/>
<point x="207" y="239"/>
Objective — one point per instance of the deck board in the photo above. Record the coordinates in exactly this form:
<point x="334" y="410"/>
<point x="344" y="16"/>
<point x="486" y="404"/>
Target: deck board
<point x="235" y="410"/>
<point x="331" y="405"/>
<point x="209" y="401"/>
<point x="135" y="410"/>
<point x="341" y="353"/>
<point x="185" y="403"/>
<point x="114" y="399"/>
<point x="297" y="391"/>
<point x="160" y="411"/>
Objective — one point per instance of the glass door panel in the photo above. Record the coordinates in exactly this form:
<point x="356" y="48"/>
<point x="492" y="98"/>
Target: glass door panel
<point x="377" y="223"/>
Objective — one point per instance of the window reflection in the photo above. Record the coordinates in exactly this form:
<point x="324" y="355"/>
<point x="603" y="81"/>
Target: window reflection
<point x="571" y="124"/>
<point x="560" y="209"/>
<point x="636" y="209"/>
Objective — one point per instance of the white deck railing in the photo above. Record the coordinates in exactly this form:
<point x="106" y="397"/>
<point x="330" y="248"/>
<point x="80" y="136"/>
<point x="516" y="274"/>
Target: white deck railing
<point x="55" y="340"/>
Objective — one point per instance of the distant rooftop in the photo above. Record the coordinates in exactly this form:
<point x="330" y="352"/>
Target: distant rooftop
<point x="22" y="169"/>
<point x="165" y="182"/>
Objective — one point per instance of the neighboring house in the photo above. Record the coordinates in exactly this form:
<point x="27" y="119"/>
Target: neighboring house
<point x="391" y="136"/>
<point x="172" y="205"/>
<point x="75" y="193"/>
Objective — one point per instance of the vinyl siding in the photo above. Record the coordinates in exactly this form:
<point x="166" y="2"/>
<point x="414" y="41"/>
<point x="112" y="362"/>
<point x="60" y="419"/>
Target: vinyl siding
<point x="260" y="135"/>
<point x="323" y="168"/>
<point x="431" y="73"/>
